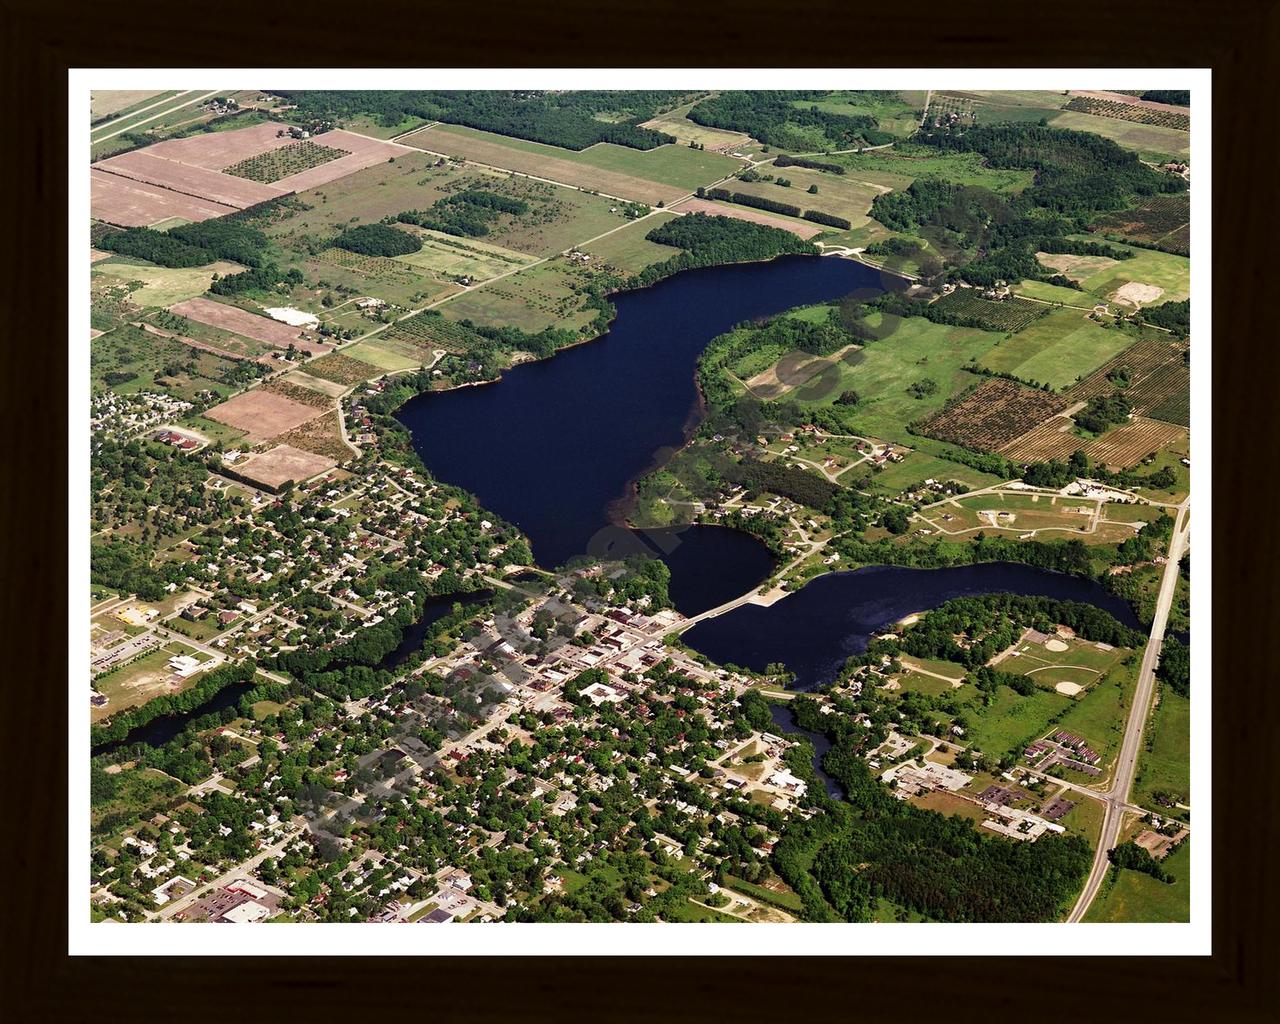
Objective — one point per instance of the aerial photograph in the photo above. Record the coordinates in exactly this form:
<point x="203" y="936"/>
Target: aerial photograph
<point x="636" y="506"/>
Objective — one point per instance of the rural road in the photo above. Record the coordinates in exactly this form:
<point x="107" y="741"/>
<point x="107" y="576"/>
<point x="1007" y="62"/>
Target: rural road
<point x="1127" y="760"/>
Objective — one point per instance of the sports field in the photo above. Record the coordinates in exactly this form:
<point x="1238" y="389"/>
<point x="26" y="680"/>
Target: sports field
<point x="1058" y="349"/>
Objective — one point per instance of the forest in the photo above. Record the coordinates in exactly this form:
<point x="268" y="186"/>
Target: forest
<point x="872" y="846"/>
<point x="772" y="117"/>
<point x="465" y="214"/>
<point x="567" y="119"/>
<point x="377" y="240"/>
<point x="191" y="245"/>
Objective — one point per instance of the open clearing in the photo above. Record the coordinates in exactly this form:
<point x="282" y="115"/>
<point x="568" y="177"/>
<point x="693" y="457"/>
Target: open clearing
<point x="134" y="204"/>
<point x="163" y="286"/>
<point x="1136" y="897"/>
<point x="277" y="466"/>
<point x="839" y="195"/>
<point x="627" y="249"/>
<point x="106" y="102"/>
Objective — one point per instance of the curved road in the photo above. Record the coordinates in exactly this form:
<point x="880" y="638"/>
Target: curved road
<point x="1117" y="798"/>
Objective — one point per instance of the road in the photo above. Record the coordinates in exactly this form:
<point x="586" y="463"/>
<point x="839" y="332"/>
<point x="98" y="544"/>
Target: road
<point x="146" y="120"/>
<point x="1117" y="798"/>
<point x="245" y="868"/>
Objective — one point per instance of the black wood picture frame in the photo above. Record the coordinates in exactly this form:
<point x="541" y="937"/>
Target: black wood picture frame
<point x="41" y="39"/>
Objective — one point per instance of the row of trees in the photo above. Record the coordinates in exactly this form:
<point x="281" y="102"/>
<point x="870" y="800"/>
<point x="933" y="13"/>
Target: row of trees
<point x="566" y="119"/>
<point x="208" y="686"/>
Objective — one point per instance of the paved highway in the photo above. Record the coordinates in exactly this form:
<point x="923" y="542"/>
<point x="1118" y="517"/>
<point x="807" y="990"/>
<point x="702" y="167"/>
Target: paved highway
<point x="1117" y="798"/>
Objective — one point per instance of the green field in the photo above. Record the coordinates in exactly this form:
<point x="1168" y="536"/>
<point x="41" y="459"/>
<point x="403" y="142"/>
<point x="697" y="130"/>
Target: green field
<point x="898" y="167"/>
<point x="1058" y="349"/>
<point x="128" y="349"/>
<point x="383" y="354"/>
<point x="628" y="250"/>
<point x="1166" y="766"/>
<point x="915" y="350"/>
<point x="918" y="467"/>
<point x="457" y="257"/>
<point x="1099" y="713"/>
<point x="676" y="165"/>
<point x="1138" y="897"/>
<point x="1053" y="293"/>
<point x="838" y="195"/>
<point x="898" y="115"/>
<point x="1011" y="720"/>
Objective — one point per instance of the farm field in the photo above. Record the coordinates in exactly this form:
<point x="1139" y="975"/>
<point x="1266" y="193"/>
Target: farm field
<point x="917" y="349"/>
<point x="285" y="161"/>
<point x="1150" y="142"/>
<point x="340" y="368"/>
<point x="161" y="286"/>
<point x="1159" y="380"/>
<point x="131" y="204"/>
<point x="1139" y="897"/>
<point x="994" y="105"/>
<point x="1164" y="765"/>
<point x="996" y="412"/>
<point x="898" y="114"/>
<point x="628" y="250"/>
<point x="280" y="464"/>
<point x="387" y="355"/>
<point x="1163" y="221"/>
<point x="262" y="414"/>
<point x="804" y="228"/>
<point x="659" y="175"/>
<point x="1053" y="293"/>
<point x="1008" y="315"/>
<point x="1057" y="349"/>
<point x="456" y="257"/>
<point x="117" y="102"/>
<point x="1125" y="445"/>
<point x="251" y="325"/>
<point x="127" y="350"/>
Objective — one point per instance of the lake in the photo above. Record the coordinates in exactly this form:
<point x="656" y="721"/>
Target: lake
<point x="556" y="446"/>
<point x="814" y="630"/>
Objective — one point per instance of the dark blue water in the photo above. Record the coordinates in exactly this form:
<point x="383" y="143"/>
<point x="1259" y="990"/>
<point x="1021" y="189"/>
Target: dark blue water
<point x="814" y="630"/>
<point x="160" y="731"/>
<point x="556" y="445"/>
<point x="415" y="635"/>
<point x="785" y="722"/>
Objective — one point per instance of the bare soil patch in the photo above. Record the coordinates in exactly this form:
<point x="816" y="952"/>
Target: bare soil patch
<point x="1135" y="294"/>
<point x="134" y="204"/>
<point x="262" y="414"/>
<point x="283" y="463"/>
<point x="241" y="321"/>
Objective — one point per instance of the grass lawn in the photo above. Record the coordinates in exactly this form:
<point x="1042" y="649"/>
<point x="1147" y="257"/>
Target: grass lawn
<point x="628" y="250"/>
<point x="455" y="257"/>
<point x="364" y="124"/>
<point x="1085" y="818"/>
<point x="1057" y="349"/>
<point x="213" y="430"/>
<point x="381" y="353"/>
<point x="1099" y="713"/>
<point x="915" y="350"/>
<point x="786" y="899"/>
<point x="686" y="911"/>
<point x="1012" y="721"/>
<point x="1133" y="896"/>
<point x="677" y="124"/>
<point x="1165" y="763"/>
<point x="918" y="467"/>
